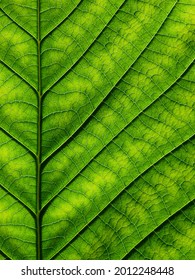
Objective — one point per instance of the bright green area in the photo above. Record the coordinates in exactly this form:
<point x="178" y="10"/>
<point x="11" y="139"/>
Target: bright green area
<point x="118" y="165"/>
<point x="97" y="129"/>
<point x="23" y="13"/>
<point x="92" y="79"/>
<point x="18" y="110"/>
<point x="173" y="240"/>
<point x="17" y="238"/>
<point x="18" y="50"/>
<point x="53" y="13"/>
<point x="140" y="210"/>
<point x="67" y="43"/>
<point x="17" y="171"/>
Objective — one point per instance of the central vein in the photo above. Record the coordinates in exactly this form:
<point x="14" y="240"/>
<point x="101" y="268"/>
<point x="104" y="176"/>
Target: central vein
<point x="39" y="144"/>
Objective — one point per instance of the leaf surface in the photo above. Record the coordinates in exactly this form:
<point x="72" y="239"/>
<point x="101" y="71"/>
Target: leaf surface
<point x="97" y="129"/>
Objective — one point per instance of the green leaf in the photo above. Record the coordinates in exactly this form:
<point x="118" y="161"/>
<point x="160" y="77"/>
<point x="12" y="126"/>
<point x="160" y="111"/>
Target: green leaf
<point x="97" y="129"/>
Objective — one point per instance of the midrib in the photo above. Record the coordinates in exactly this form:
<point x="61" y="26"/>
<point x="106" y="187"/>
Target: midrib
<point x="39" y="142"/>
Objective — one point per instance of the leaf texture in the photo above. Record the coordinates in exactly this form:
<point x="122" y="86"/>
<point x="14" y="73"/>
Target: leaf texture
<point x="97" y="129"/>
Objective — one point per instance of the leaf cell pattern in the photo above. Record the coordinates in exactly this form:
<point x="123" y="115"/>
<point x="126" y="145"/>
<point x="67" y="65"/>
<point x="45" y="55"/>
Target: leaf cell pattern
<point x="97" y="129"/>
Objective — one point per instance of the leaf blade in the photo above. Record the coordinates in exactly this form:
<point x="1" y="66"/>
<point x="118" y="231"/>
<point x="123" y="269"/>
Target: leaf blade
<point x="97" y="129"/>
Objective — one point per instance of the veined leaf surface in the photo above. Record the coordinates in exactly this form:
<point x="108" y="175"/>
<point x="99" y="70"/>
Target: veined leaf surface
<point x="97" y="129"/>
